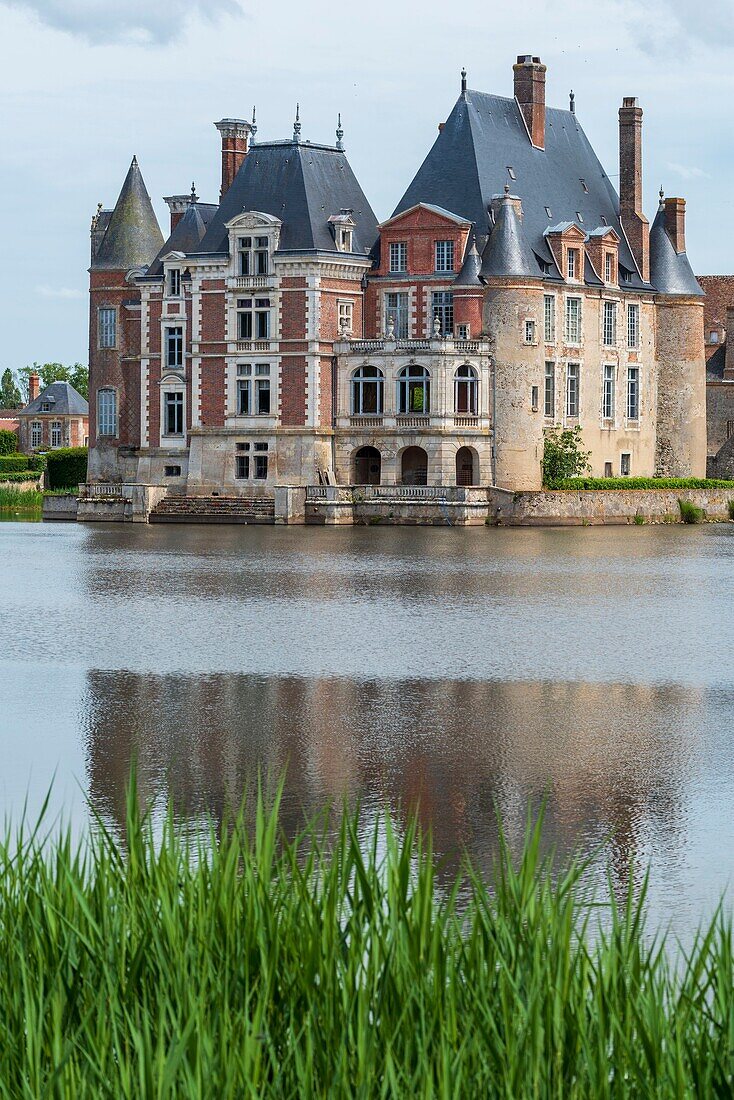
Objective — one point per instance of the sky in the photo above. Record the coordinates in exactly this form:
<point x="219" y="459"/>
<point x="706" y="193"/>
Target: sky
<point x="88" y="83"/>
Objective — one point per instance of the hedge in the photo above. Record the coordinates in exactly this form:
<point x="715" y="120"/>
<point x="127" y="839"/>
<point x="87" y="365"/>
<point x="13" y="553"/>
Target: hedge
<point x="13" y="463"/>
<point x="25" y="475"/>
<point x="8" y="442"/>
<point x="67" y="466"/>
<point x="645" y="483"/>
<point x="36" y="462"/>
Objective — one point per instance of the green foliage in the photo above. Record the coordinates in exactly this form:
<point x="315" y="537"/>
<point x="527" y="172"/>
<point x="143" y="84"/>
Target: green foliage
<point x="13" y="463"/>
<point x="66" y="466"/>
<point x="243" y="964"/>
<point x="563" y="456"/>
<point x="77" y="375"/>
<point x="10" y="395"/>
<point x="730" y="506"/>
<point x="689" y="513"/>
<point x="11" y="500"/>
<point x="20" y="476"/>
<point x="639" y="519"/>
<point x="8" y="442"/>
<point x="37" y="462"/>
<point x="644" y="483"/>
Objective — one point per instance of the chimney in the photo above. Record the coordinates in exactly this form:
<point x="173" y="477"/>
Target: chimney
<point x="634" y="222"/>
<point x="530" y="96"/>
<point x="34" y="387"/>
<point x="675" y="223"/>
<point x="235" y="144"/>
<point x="178" y="205"/>
<point x="729" y="361"/>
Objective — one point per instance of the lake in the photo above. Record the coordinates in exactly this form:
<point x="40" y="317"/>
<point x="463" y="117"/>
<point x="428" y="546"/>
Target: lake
<point x="462" y="671"/>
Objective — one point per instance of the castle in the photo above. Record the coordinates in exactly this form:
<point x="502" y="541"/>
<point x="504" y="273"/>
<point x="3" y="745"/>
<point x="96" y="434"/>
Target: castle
<point x="284" y="337"/>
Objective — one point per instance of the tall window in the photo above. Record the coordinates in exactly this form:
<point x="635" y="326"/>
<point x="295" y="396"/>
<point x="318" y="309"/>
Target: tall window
<point x="610" y="324"/>
<point x="55" y="433"/>
<point x="466" y="391"/>
<point x="262" y="389"/>
<point x="443" y="308"/>
<point x="36" y="433"/>
<point x="398" y="256"/>
<point x="444" y="256"/>
<point x="174" y="347"/>
<point x="608" y="267"/>
<point x="174" y="282"/>
<point x="573" y="320"/>
<point x="633" y="326"/>
<point x="260" y="471"/>
<point x="242" y="462"/>
<point x="530" y="332"/>
<point x="253" y="318"/>
<point x="368" y="385"/>
<point x="244" y="389"/>
<point x="549" y="402"/>
<point x="607" y="396"/>
<point x="573" y="263"/>
<point x="107" y="327"/>
<point x="549" y="318"/>
<point x="107" y="412"/>
<point x="414" y="390"/>
<point x="396" y="310"/>
<point x="252" y="255"/>
<point x="173" y="413"/>
<point x="572" y="390"/>
<point x="346" y="316"/>
<point x="633" y="393"/>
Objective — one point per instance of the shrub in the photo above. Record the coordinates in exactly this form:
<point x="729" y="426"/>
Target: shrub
<point x="20" y="476"/>
<point x="13" y="463"/>
<point x="639" y="519"/>
<point x="36" y="462"/>
<point x="644" y="483"/>
<point x="8" y="442"/>
<point x="67" y="466"/>
<point x="563" y="456"/>
<point x="689" y="513"/>
<point x="730" y="506"/>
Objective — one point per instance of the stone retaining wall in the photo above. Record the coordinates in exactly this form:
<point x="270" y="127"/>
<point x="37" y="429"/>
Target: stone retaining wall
<point x="571" y="507"/>
<point x="60" y="507"/>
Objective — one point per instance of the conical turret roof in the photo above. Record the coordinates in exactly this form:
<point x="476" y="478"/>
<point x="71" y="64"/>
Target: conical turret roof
<point x="133" y="237"/>
<point x="670" y="271"/>
<point x="469" y="274"/>
<point x="508" y="252"/>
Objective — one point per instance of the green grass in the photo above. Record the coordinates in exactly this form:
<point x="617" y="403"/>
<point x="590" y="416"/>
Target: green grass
<point x="12" y="499"/>
<point x="245" y="965"/>
<point x="645" y="483"/>
<point x="689" y="513"/>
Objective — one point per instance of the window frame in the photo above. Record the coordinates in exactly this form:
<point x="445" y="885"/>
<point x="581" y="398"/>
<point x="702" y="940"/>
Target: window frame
<point x="633" y="327"/>
<point x="573" y="373"/>
<point x="447" y="250"/>
<point x="104" y="418"/>
<point x="577" y="301"/>
<point x="529" y="331"/>
<point x="56" y="431"/>
<point x="549" y="318"/>
<point x="253" y="258"/>
<point x="414" y="388"/>
<point x="608" y="391"/>
<point x="361" y="382"/>
<point x="36" y="434"/>
<point x="173" y="410"/>
<point x="633" y="394"/>
<point x="444" y="310"/>
<point x="609" y="323"/>
<point x="466" y="380"/>
<point x="573" y="263"/>
<point x="256" y="316"/>
<point x="398" y="259"/>
<point x="109" y="327"/>
<point x="345" y="311"/>
<point x="173" y="338"/>
<point x="402" y="330"/>
<point x="549" y="390"/>
<point x="173" y="282"/>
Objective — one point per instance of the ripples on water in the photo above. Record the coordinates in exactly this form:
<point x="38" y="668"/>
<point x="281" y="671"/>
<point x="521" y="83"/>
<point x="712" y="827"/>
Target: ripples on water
<point x="455" y="670"/>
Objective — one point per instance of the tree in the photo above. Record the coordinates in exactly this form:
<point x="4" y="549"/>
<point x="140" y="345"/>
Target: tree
<point x="563" y="456"/>
<point x="77" y="376"/>
<point x="10" y="395"/>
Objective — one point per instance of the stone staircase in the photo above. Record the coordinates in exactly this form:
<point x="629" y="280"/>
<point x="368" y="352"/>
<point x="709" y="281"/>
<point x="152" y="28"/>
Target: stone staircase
<point x="220" y="509"/>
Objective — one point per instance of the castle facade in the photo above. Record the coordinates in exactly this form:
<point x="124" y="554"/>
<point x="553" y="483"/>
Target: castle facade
<point x="284" y="337"/>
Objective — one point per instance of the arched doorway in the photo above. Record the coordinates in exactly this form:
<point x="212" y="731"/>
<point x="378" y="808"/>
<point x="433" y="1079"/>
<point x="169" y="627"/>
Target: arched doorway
<point x="466" y="471"/>
<point x="414" y="466"/>
<point x="367" y="466"/>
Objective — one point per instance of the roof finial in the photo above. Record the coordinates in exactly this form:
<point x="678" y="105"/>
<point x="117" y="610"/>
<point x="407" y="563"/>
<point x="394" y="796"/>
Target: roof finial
<point x="662" y="195"/>
<point x="573" y="102"/>
<point x="253" y="129"/>
<point x="297" y="124"/>
<point x="134" y="162"/>
<point x="339" y="134"/>
<point x="463" y="81"/>
<point x="507" y="189"/>
<point x="194" y="196"/>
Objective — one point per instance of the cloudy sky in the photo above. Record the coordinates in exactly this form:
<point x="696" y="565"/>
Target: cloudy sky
<point x="87" y="83"/>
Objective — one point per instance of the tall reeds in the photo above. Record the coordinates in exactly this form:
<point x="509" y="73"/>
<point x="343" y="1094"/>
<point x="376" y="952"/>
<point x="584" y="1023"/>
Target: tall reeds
<point x="247" y="965"/>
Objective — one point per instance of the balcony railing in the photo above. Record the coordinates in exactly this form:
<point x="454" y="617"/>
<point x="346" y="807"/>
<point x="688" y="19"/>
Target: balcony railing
<point x="412" y="421"/>
<point x="365" y="421"/>
<point x="251" y="282"/>
<point x="100" y="489"/>
<point x="444" y="346"/>
<point x="466" y="421"/>
<point x="254" y="345"/>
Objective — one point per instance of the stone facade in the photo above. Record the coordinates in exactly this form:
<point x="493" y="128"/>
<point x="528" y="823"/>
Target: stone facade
<point x="718" y="323"/>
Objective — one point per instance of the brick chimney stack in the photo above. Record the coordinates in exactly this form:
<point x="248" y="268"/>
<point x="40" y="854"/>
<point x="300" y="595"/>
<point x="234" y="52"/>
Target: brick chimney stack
<point x="634" y="222"/>
<point x="178" y="205"/>
<point x="34" y="387"/>
<point x="235" y="145"/>
<point x="530" y="95"/>
<point x="675" y="223"/>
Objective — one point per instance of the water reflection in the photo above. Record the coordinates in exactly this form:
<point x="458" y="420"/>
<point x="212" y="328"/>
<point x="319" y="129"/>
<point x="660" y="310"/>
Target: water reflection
<point x="612" y="759"/>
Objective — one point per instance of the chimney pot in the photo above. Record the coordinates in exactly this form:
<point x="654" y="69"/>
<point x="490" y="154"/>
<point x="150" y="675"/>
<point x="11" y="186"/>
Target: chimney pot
<point x="530" y="95"/>
<point x="633" y="219"/>
<point x="178" y="205"/>
<point x="34" y="387"/>
<point x="235" y="147"/>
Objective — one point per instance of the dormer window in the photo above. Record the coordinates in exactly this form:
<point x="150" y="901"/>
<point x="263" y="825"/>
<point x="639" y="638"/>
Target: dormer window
<point x="174" y="282"/>
<point x="609" y="267"/>
<point x="252" y="256"/>
<point x="45" y="407"/>
<point x="572" y="263"/>
<point x="345" y="240"/>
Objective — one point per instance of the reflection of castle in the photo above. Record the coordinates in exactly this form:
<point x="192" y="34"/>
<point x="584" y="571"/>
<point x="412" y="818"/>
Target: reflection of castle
<point x="607" y="756"/>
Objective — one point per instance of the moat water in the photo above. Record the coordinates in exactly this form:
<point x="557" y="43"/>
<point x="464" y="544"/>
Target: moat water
<point x="459" y="671"/>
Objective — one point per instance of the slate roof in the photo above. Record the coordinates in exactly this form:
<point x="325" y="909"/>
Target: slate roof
<point x="670" y="271"/>
<point x="188" y="233"/>
<point x="508" y="252"/>
<point x="63" y="398"/>
<point x="302" y="184"/>
<point x="716" y="364"/>
<point x="133" y="236"/>
<point x="470" y="269"/>
<point x="486" y="134"/>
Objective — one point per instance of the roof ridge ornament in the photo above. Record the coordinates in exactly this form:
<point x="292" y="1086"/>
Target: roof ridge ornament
<point x="463" y="82"/>
<point x="662" y="197"/>
<point x="297" y="124"/>
<point x="194" y="196"/>
<point x="253" y="126"/>
<point x="572" y="102"/>
<point x="339" y="134"/>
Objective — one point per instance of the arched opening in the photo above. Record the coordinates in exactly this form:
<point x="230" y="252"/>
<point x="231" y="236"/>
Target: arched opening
<point x="467" y="472"/>
<point x="368" y="385"/>
<point x="414" y="390"/>
<point x="367" y="466"/>
<point x="466" y="391"/>
<point x="414" y="466"/>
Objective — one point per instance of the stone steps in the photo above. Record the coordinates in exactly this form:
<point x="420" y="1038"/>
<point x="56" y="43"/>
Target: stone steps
<point x="214" y="510"/>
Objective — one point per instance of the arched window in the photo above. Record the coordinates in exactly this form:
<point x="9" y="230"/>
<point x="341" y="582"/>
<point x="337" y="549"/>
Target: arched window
<point x="466" y="391"/>
<point x="414" y="390"/>
<point x="467" y="472"/>
<point x="414" y="466"/>
<point x="368" y="384"/>
<point x="367" y="466"/>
